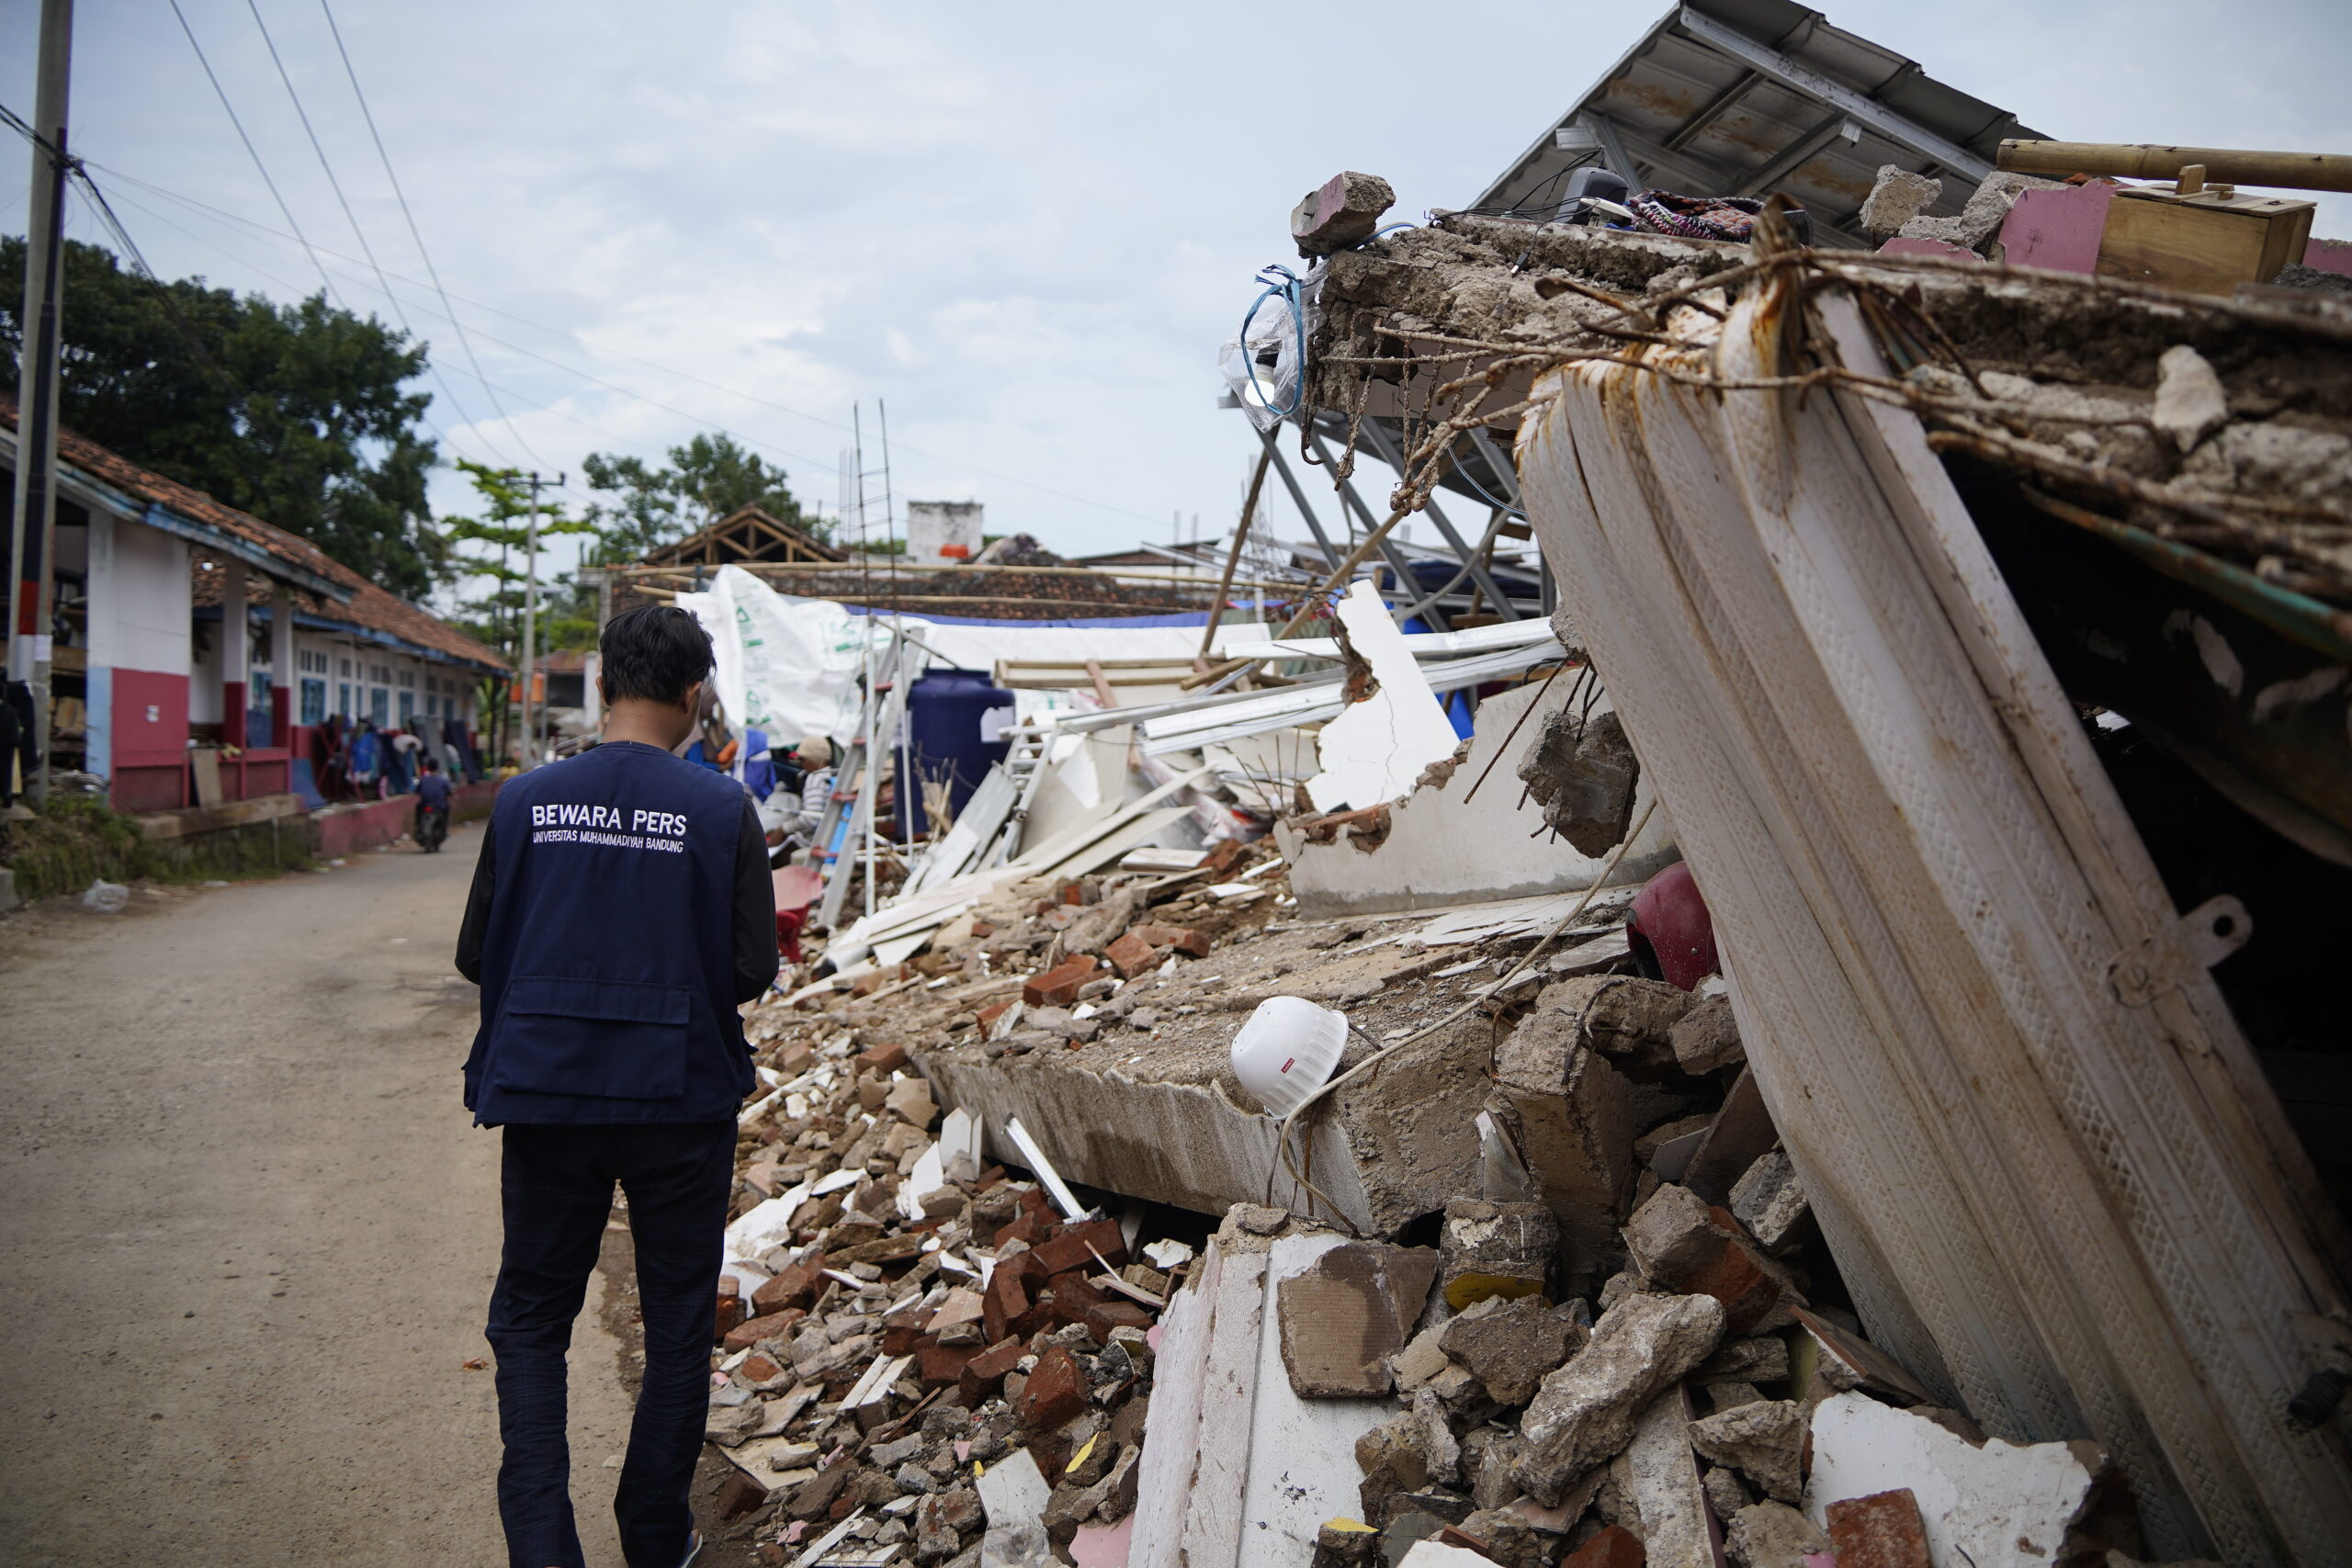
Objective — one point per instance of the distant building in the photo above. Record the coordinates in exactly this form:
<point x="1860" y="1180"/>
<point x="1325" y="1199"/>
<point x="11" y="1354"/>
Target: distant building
<point x="152" y="576"/>
<point x="943" y="533"/>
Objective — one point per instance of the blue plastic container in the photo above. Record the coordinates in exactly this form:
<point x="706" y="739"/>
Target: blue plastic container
<point x="944" y="712"/>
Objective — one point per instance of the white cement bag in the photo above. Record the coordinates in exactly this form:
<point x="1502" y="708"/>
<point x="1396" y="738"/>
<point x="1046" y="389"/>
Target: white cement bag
<point x="786" y="666"/>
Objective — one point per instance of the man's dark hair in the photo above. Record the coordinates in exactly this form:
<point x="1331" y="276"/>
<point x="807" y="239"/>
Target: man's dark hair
<point x="431" y="766"/>
<point x="654" y="652"/>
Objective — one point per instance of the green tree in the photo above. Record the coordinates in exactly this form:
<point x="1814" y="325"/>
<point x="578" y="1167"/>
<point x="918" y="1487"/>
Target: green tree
<point x="706" y="479"/>
<point x="495" y="545"/>
<point x="294" y="413"/>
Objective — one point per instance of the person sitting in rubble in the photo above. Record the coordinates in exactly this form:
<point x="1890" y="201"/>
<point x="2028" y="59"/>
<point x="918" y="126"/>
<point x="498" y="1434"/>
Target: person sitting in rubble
<point x="622" y="910"/>
<point x="791" y="820"/>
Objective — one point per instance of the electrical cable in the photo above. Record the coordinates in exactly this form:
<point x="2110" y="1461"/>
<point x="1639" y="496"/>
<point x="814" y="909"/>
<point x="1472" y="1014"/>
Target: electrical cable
<point x="418" y="235"/>
<point x="449" y="314"/>
<point x="1285" y="284"/>
<point x="223" y="93"/>
<point x="334" y="185"/>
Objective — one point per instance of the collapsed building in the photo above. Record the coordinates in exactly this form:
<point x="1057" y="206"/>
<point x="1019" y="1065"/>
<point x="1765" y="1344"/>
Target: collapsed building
<point x="1831" y="1066"/>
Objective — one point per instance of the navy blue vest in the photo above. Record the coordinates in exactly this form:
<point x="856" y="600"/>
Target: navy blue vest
<point x="607" y="980"/>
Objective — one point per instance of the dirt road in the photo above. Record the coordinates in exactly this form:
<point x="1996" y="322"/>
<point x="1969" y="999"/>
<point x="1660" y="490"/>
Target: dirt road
<point x="247" y="1233"/>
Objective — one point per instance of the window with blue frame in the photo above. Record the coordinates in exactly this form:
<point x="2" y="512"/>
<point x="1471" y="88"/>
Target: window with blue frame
<point x="314" y="700"/>
<point x="379" y="705"/>
<point x="408" y="709"/>
<point x="343" y="698"/>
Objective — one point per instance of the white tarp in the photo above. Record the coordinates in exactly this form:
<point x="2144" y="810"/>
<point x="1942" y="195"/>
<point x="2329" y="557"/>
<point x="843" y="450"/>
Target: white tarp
<point x="788" y="665"/>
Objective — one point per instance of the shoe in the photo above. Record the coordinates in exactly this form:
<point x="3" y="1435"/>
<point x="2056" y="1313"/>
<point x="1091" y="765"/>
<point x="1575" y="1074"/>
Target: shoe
<point x="694" y="1548"/>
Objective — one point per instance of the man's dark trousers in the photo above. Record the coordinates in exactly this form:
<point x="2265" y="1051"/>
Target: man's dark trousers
<point x="558" y="1190"/>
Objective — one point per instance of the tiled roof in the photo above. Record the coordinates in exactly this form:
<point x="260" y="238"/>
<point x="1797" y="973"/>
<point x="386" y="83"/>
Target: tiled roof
<point x="369" y="606"/>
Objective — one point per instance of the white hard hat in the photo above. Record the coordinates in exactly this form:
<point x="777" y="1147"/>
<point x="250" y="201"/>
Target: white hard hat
<point x="1287" y="1050"/>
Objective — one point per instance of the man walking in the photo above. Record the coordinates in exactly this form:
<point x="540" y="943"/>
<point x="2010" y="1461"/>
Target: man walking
<point x="621" y="910"/>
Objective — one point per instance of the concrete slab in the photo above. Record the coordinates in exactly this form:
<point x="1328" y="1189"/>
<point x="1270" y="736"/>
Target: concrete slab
<point x="1446" y="846"/>
<point x="1171" y="1123"/>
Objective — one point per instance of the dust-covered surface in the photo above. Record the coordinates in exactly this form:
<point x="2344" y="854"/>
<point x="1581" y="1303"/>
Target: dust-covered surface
<point x="251" y="1232"/>
<point x="2079" y="383"/>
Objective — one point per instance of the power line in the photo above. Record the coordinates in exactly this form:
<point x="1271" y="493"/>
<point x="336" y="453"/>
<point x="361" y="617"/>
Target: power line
<point x="416" y="234"/>
<point x="345" y="202"/>
<point x="449" y="314"/>
<point x="222" y="93"/>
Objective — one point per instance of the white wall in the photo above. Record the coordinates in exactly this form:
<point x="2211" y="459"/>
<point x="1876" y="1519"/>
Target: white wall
<point x="148" y="628"/>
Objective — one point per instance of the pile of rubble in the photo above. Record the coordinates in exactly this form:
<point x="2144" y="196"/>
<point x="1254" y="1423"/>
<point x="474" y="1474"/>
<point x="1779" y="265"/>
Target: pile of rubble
<point x="1593" y="1323"/>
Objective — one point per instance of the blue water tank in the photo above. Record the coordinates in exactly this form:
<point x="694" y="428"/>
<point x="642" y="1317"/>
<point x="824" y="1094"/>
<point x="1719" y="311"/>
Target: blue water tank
<point x="948" y="712"/>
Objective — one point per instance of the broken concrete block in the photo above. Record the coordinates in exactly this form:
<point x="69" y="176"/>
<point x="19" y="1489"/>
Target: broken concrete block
<point x="1658" y="1480"/>
<point x="1018" y="1545"/>
<point x="910" y="1100"/>
<point x="1725" y="1496"/>
<point x="1347" y="1314"/>
<point x="1510" y="1345"/>
<point x="1345" y="1543"/>
<point x="1882" y="1530"/>
<point x="1583" y="773"/>
<point x="1982" y="219"/>
<point x="1681" y="1244"/>
<point x="1773" y="1535"/>
<point x="1343" y="211"/>
<point x="1731" y="1395"/>
<point x="1898" y="197"/>
<point x="2190" y="404"/>
<point x="1628" y="1019"/>
<point x="1495" y="1249"/>
<point x="1741" y="1133"/>
<point x="1707" y="1038"/>
<point x="1997" y="1502"/>
<point x="1423" y="1358"/>
<point x="1566" y="1113"/>
<point x="1769" y="1200"/>
<point x="1761" y="1440"/>
<point x="1013" y="1490"/>
<point x="1584" y="1414"/>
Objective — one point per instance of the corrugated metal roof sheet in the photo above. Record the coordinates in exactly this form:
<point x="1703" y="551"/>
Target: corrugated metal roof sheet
<point x="1739" y="97"/>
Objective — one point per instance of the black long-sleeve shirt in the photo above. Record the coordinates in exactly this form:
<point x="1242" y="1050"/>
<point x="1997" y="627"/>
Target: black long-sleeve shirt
<point x="754" y="927"/>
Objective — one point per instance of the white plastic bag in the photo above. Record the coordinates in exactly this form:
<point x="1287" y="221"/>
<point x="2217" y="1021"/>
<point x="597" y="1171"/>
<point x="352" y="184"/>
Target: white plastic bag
<point x="105" y="897"/>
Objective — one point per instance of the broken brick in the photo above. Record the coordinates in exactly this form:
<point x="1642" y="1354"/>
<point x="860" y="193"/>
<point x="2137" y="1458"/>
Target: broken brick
<point x="1004" y="1306"/>
<point x="1614" y="1547"/>
<point x="986" y="1018"/>
<point x="1056" y="1392"/>
<point x="730" y="1306"/>
<point x="1028" y="1230"/>
<point x="1058" y="986"/>
<point x="1130" y="956"/>
<point x="1075" y="1246"/>
<point x="942" y="1366"/>
<point x="772" y="1325"/>
<point x="1682" y="1244"/>
<point x="1882" y="1530"/>
<point x="796" y="1285"/>
<point x="740" y="1494"/>
<point x="882" y="1059"/>
<point x="984" y="1373"/>
<point x="1104" y="1316"/>
<point x="1190" y="942"/>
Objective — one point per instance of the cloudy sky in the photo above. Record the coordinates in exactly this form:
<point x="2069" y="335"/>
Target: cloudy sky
<point x="1026" y="228"/>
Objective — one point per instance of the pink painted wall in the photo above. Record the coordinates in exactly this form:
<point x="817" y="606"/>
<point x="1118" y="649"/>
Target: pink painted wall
<point x="2058" y="229"/>
<point x="2329" y="255"/>
<point x="348" y="830"/>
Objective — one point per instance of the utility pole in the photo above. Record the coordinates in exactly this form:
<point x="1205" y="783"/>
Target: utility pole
<point x="531" y="614"/>
<point x="32" y="540"/>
